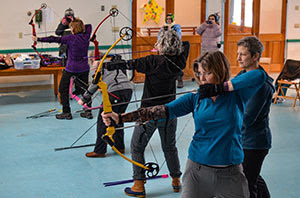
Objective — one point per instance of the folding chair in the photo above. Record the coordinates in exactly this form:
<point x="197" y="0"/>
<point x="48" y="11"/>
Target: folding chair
<point x="288" y="85"/>
<point x="289" y="78"/>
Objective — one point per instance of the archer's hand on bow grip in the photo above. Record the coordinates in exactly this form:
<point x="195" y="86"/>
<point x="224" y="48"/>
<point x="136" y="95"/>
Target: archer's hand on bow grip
<point x="210" y="90"/>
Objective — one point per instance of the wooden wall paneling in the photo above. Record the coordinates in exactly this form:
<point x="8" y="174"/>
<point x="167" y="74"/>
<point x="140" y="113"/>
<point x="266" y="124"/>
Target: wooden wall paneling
<point x="273" y="44"/>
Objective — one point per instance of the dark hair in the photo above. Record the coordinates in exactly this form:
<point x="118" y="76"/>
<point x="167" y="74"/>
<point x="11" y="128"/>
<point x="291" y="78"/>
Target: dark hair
<point x="215" y="62"/>
<point x="216" y="16"/>
<point x="253" y="44"/>
<point x="77" y="25"/>
<point x="171" y="15"/>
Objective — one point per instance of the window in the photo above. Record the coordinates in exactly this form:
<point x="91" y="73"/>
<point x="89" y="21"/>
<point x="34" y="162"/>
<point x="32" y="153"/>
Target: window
<point x="241" y="16"/>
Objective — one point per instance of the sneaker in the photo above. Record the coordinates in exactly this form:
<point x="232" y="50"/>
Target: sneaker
<point x="278" y="101"/>
<point x="180" y="84"/>
<point x="86" y="114"/>
<point x="61" y="116"/>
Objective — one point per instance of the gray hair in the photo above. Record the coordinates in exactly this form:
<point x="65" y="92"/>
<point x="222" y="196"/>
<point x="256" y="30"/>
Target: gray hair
<point x="170" y="43"/>
<point x="253" y="44"/>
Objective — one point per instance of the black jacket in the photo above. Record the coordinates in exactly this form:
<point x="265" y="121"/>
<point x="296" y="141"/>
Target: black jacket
<point x="161" y="72"/>
<point x="256" y="133"/>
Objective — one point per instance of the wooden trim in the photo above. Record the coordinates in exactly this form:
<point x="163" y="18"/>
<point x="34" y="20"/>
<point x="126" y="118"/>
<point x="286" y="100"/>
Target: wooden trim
<point x="256" y="18"/>
<point x="226" y="20"/>
<point x="134" y="26"/>
<point x="203" y="11"/>
<point x="283" y="29"/>
<point x="170" y="6"/>
<point x="243" y="15"/>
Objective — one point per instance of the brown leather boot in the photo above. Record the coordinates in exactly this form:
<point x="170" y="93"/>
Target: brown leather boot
<point x="93" y="154"/>
<point x="137" y="190"/>
<point x="176" y="184"/>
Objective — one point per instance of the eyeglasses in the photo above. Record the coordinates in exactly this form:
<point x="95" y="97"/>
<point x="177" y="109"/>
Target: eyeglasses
<point x="205" y="74"/>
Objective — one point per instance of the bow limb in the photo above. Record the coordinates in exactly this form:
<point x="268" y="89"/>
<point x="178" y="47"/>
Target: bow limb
<point x="113" y="12"/>
<point x="73" y="96"/>
<point x="43" y="6"/>
<point x="152" y="169"/>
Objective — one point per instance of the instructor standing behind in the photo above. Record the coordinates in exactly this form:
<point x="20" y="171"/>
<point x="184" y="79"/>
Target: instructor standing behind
<point x="256" y="133"/>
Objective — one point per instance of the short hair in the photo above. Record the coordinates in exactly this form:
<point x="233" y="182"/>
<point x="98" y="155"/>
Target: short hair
<point x="170" y="43"/>
<point x="77" y="25"/>
<point x="215" y="62"/>
<point x="253" y="44"/>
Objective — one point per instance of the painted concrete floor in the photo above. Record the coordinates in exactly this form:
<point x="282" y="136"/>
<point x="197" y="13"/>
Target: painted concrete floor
<point x="30" y="168"/>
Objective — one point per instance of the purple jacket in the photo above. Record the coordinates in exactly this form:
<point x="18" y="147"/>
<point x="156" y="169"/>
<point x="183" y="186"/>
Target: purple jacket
<point x="78" y="46"/>
<point x="211" y="34"/>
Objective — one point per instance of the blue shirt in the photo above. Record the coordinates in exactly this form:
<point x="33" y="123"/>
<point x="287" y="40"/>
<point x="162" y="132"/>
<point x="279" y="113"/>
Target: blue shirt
<point x="217" y="138"/>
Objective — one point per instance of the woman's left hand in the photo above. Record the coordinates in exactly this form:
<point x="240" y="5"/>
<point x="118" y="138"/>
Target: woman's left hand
<point x="108" y="116"/>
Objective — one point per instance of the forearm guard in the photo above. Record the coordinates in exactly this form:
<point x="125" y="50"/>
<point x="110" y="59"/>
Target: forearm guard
<point x="145" y="114"/>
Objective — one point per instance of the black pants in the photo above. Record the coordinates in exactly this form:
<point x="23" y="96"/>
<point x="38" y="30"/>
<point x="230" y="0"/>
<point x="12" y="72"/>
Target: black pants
<point x="64" y="87"/>
<point x="252" y="164"/>
<point x="101" y="146"/>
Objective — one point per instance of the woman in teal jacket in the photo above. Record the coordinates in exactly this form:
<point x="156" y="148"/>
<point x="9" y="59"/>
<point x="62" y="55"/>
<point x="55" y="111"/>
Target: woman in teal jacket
<point x="215" y="154"/>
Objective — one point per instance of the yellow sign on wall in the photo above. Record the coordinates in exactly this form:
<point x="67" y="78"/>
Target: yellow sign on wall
<point x="152" y="11"/>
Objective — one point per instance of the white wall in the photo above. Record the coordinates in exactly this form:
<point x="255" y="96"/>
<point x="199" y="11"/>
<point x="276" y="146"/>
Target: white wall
<point x="293" y="30"/>
<point x="15" y="20"/>
<point x="270" y="16"/>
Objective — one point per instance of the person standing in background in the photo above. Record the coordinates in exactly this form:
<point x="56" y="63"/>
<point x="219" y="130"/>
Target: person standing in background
<point x="120" y="91"/>
<point x="256" y="133"/>
<point x="210" y="32"/>
<point x="63" y="30"/>
<point x="170" y="24"/>
<point x="77" y="64"/>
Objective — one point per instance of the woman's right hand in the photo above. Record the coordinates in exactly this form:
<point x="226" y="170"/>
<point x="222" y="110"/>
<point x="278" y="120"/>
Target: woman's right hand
<point x="34" y="38"/>
<point x="108" y="116"/>
<point x="80" y="102"/>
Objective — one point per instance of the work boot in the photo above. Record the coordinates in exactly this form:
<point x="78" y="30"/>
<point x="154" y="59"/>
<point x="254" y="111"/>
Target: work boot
<point x="137" y="190"/>
<point x="87" y="114"/>
<point x="61" y="116"/>
<point x="179" y="82"/>
<point x="176" y="184"/>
